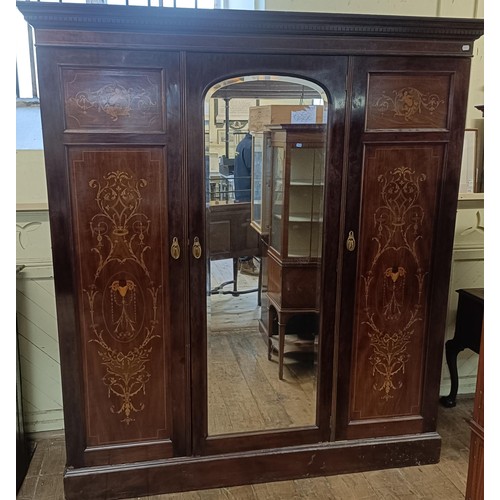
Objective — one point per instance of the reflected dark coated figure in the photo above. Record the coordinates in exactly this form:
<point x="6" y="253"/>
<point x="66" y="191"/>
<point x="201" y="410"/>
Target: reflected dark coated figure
<point x="243" y="170"/>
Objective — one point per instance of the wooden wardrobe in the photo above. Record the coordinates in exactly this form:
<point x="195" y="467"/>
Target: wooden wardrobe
<point x="121" y="94"/>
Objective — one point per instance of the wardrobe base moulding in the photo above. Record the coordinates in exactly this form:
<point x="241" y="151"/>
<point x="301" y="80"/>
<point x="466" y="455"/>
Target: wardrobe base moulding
<point x="198" y="473"/>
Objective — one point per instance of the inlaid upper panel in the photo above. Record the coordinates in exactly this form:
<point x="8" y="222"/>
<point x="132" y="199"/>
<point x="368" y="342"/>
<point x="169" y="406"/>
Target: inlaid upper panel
<point x="395" y="253"/>
<point x="407" y="101"/>
<point x="113" y="99"/>
<point x="119" y="224"/>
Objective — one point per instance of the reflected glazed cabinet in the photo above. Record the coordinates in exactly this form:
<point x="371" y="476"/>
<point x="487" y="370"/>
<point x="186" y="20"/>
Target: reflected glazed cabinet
<point x="121" y="95"/>
<point x="296" y="163"/>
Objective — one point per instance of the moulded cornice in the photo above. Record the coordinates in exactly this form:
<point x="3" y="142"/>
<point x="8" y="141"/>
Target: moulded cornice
<point x="44" y="15"/>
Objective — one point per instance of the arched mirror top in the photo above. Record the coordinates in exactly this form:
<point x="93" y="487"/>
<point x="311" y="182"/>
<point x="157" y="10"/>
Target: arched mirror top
<point x="267" y="87"/>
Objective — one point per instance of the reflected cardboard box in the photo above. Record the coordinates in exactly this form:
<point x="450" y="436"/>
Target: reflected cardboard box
<point x="260" y="116"/>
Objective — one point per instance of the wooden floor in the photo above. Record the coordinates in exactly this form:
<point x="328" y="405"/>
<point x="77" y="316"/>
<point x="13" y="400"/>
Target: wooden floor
<point x="243" y="382"/>
<point x="443" y="481"/>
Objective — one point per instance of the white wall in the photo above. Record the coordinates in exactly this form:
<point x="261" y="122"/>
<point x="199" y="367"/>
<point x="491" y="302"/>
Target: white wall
<point x="35" y="298"/>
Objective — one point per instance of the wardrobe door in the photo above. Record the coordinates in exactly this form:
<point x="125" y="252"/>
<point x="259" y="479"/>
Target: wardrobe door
<point x="407" y="120"/>
<point x="239" y="401"/>
<point x="115" y="196"/>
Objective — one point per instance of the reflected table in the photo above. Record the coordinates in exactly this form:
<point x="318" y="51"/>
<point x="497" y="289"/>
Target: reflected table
<point x="232" y="237"/>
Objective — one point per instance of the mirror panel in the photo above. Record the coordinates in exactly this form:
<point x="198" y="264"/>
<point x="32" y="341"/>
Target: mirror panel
<point x="265" y="145"/>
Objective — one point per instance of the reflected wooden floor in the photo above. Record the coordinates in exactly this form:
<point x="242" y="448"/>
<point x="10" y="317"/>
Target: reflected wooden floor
<point x="443" y="481"/>
<point x="244" y="392"/>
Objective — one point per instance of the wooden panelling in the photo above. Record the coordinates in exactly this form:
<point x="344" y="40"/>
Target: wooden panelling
<point x="400" y="188"/>
<point x="230" y="234"/>
<point x="39" y="353"/>
<point x="113" y="100"/>
<point x="33" y="238"/>
<point x="121" y="226"/>
<point x="407" y="101"/>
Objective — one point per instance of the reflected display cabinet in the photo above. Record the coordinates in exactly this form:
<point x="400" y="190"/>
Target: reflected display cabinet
<point x="296" y="163"/>
<point x="122" y="102"/>
<point x="261" y="187"/>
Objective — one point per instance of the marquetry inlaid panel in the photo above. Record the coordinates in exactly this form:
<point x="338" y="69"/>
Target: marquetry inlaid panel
<point x="110" y="99"/>
<point x="400" y="188"/>
<point x="407" y="101"/>
<point x="120" y="225"/>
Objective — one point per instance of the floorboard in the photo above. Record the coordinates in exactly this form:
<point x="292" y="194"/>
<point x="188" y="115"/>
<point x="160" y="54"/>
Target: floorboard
<point x="443" y="481"/>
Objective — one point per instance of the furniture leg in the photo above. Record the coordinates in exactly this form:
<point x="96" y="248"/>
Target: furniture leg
<point x="259" y="286"/>
<point x="269" y="334"/>
<point x="281" y="330"/>
<point x="235" y="273"/>
<point x="452" y="350"/>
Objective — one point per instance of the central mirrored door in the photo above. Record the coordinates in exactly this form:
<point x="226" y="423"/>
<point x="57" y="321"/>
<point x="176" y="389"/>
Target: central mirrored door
<point x="267" y="359"/>
<point x="265" y="145"/>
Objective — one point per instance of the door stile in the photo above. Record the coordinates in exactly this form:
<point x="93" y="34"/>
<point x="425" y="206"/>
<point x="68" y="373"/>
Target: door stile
<point x="179" y="267"/>
<point x="58" y="190"/>
<point x="342" y="290"/>
<point x="194" y="156"/>
<point x="351" y="199"/>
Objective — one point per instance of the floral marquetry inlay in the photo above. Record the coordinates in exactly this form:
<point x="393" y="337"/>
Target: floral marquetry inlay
<point x="120" y="231"/>
<point x="126" y="370"/>
<point x="109" y="99"/>
<point x="119" y="227"/>
<point x="397" y="229"/>
<point x="114" y="100"/>
<point x="121" y="282"/>
<point x="406" y="101"/>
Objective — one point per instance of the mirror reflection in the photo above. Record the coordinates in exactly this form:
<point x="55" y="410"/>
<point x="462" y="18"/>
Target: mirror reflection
<point x="265" y="141"/>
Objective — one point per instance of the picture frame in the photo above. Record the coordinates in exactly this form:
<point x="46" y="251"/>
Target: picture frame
<point x="469" y="174"/>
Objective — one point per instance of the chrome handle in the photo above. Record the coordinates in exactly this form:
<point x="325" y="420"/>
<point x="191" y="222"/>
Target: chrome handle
<point x="351" y="242"/>
<point x="196" y="248"/>
<point x="175" y="249"/>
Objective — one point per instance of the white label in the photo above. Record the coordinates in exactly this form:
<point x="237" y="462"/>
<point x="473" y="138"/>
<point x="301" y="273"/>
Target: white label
<point x="307" y="115"/>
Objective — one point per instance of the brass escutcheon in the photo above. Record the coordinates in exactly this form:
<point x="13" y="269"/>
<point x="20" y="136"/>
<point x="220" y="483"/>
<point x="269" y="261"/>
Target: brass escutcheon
<point x="175" y="249"/>
<point x="196" y="248"/>
<point x="351" y="242"/>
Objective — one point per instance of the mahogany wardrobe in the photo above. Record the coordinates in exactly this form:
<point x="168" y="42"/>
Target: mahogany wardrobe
<point x="124" y="113"/>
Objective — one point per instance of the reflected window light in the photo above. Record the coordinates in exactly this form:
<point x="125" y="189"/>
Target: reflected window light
<point x="23" y="57"/>
<point x="185" y="4"/>
<point x="138" y="3"/>
<point x="24" y="85"/>
<point x="206" y="4"/>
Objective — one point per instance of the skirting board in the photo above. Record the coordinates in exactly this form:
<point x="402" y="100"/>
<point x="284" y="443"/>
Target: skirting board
<point x="196" y="473"/>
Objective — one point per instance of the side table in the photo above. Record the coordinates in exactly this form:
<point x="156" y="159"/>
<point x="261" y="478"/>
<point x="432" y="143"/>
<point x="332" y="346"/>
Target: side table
<point x="468" y="328"/>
